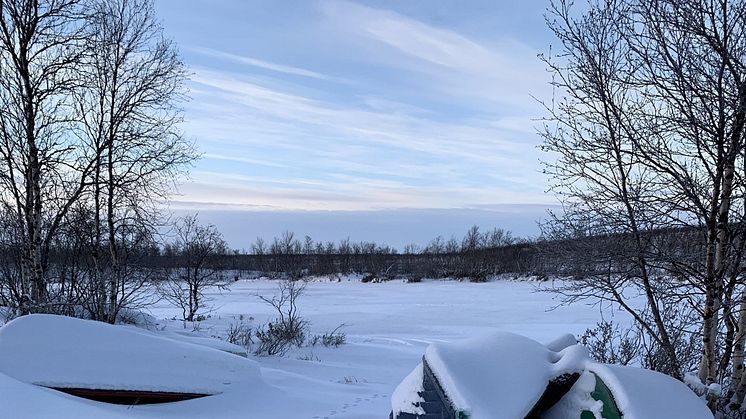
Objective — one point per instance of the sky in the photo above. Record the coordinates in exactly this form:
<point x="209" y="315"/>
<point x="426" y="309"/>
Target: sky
<point x="394" y="121"/>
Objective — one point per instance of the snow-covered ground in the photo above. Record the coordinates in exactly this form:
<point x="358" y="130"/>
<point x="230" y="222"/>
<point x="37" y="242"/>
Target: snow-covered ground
<point x="388" y="327"/>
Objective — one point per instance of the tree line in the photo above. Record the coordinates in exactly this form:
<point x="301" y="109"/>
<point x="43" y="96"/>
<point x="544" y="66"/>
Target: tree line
<point x="476" y="256"/>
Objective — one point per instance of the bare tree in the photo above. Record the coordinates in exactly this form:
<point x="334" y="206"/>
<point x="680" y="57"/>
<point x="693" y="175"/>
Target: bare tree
<point x="195" y="271"/>
<point x="648" y="134"/>
<point x="43" y="172"/>
<point x="472" y="240"/>
<point x="128" y="108"/>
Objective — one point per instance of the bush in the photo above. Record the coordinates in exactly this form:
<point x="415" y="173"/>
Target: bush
<point x="369" y="278"/>
<point x="415" y="278"/>
<point x="240" y="334"/>
<point x="289" y="328"/>
<point x="276" y="338"/>
<point x="607" y="344"/>
<point x="333" y="338"/>
<point x="478" y="276"/>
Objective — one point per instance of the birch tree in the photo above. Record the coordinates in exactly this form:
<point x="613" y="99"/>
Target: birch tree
<point x="42" y="172"/>
<point x="647" y="133"/>
<point x="197" y="246"/>
<point x="130" y="116"/>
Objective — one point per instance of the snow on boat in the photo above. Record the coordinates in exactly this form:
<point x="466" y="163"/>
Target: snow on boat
<point x="507" y="376"/>
<point x="67" y="353"/>
<point x="55" y="366"/>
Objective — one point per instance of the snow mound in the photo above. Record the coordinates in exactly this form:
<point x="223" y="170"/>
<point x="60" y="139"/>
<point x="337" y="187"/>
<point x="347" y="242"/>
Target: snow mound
<point x="499" y="375"/>
<point x="503" y="376"/>
<point x="561" y="342"/>
<point x="63" y="352"/>
<point x="197" y="339"/>
<point x="643" y="394"/>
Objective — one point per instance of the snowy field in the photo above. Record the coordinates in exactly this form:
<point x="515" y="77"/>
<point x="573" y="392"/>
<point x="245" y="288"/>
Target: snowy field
<point x="388" y="327"/>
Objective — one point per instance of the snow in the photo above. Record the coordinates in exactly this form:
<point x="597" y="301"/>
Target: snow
<point x="389" y="326"/>
<point x="26" y="401"/>
<point x="577" y="400"/>
<point x="501" y="375"/>
<point x="59" y="351"/>
<point x="95" y="355"/>
<point x="210" y="342"/>
<point x="643" y="394"/>
<point x="406" y="395"/>
<point x="562" y="342"/>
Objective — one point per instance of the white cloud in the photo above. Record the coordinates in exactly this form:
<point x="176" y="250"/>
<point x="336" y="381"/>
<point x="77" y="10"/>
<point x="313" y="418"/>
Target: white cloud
<point x="504" y="71"/>
<point x="280" y="68"/>
<point x="285" y="143"/>
<point x="469" y="138"/>
<point x="262" y="196"/>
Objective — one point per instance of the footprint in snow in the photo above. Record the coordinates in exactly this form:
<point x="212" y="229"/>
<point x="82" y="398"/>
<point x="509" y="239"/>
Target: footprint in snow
<point x="346" y="406"/>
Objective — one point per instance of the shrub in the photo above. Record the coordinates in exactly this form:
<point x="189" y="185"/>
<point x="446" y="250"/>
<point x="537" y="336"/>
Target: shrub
<point x="607" y="344"/>
<point x="240" y="334"/>
<point x="474" y="275"/>
<point x="289" y="328"/>
<point x="276" y="338"/>
<point x="415" y="278"/>
<point x="369" y="278"/>
<point x="332" y="338"/>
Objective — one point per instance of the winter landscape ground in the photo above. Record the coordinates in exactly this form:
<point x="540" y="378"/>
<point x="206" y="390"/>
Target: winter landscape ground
<point x="388" y="327"/>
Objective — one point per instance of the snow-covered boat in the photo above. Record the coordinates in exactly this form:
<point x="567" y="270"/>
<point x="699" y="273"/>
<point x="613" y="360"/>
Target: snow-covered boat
<point x="507" y="376"/>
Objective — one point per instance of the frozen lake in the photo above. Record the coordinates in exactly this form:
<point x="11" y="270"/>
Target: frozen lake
<point x="388" y="327"/>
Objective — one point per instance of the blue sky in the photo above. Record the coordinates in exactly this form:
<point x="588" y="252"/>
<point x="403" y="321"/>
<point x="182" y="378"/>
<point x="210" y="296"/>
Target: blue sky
<point x="398" y="109"/>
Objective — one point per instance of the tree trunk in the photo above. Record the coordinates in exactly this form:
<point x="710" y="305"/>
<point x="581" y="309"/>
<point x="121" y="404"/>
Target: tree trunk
<point x="114" y="279"/>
